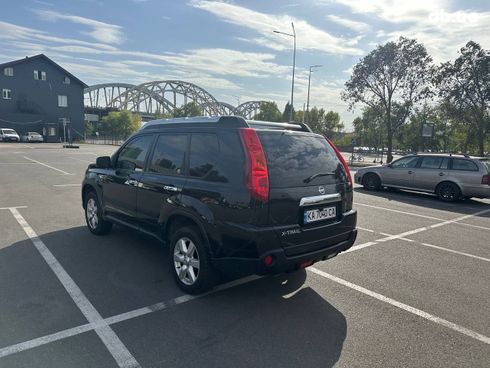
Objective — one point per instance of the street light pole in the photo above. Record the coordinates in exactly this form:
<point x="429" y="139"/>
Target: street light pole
<point x="294" y="67"/>
<point x="308" y="98"/>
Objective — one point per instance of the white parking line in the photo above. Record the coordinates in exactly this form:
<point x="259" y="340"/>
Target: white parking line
<point x="415" y="231"/>
<point x="426" y="244"/>
<point x="422" y="216"/>
<point x="43" y="340"/>
<point x="51" y="167"/>
<point x="405" y="307"/>
<point x="8" y="208"/>
<point x="66" y="185"/>
<point x="112" y="342"/>
<point x="398" y="211"/>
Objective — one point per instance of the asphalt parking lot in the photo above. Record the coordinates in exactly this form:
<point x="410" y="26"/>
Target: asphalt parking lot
<point x="413" y="292"/>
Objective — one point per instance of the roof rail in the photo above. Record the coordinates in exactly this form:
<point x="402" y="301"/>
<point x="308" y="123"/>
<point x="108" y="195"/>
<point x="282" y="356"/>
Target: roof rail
<point x="228" y="120"/>
<point x="275" y="125"/>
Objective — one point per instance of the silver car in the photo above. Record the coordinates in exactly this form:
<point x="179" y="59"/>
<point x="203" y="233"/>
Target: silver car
<point x="32" y="137"/>
<point x="451" y="177"/>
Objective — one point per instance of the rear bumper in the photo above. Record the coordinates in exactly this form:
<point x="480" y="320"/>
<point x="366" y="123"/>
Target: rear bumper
<point x="11" y="139"/>
<point x="481" y="191"/>
<point x="282" y="263"/>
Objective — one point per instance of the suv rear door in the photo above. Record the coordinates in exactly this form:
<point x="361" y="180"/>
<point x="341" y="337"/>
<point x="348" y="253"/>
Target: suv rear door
<point x="309" y="190"/>
<point x="163" y="179"/>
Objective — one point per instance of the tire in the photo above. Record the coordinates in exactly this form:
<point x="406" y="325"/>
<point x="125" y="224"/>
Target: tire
<point x="371" y="181"/>
<point x="93" y="215"/>
<point x="189" y="261"/>
<point x="448" y="192"/>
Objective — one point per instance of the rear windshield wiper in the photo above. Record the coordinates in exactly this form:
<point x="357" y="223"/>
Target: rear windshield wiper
<point x="314" y="176"/>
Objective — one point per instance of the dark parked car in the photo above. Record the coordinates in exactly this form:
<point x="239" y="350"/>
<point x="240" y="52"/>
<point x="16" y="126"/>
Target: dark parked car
<point x="226" y="194"/>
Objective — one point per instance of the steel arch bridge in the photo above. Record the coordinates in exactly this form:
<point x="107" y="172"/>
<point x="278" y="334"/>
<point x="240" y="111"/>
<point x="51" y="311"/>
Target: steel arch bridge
<point x="159" y="97"/>
<point x="248" y="109"/>
<point x="104" y="95"/>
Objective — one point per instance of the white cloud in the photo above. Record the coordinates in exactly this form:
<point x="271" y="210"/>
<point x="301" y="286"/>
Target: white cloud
<point x="349" y="23"/>
<point x="9" y="31"/>
<point x="44" y="3"/>
<point x="100" y="31"/>
<point x="441" y="30"/>
<point x="309" y="37"/>
<point x="227" y="62"/>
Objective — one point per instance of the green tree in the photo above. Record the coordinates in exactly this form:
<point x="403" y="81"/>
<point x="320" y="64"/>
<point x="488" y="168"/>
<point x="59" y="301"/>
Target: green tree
<point x="369" y="128"/>
<point x="316" y="119"/>
<point x="120" y="124"/>
<point x="395" y="76"/>
<point x="287" y="111"/>
<point x="465" y="83"/>
<point x="268" y="112"/>
<point x="332" y="123"/>
<point x="188" y="110"/>
<point x="322" y="122"/>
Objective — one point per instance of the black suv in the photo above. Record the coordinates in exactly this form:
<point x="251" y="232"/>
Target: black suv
<point x="225" y="193"/>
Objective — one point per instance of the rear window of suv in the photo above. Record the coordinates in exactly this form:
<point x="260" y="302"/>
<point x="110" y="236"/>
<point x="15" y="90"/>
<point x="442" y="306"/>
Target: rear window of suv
<point x="293" y="157"/>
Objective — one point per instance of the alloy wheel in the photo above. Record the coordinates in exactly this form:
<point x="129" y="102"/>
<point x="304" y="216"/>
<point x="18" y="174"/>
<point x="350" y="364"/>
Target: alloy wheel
<point x="92" y="215"/>
<point x="186" y="261"/>
<point x="448" y="192"/>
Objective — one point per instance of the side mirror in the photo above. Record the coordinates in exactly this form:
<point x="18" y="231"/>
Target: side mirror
<point x="103" y="162"/>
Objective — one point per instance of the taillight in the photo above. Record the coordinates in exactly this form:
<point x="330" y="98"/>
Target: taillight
<point x="256" y="174"/>
<point x="484" y="179"/>
<point x="341" y="158"/>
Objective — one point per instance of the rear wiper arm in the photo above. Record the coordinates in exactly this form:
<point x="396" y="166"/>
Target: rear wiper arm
<point x="314" y="176"/>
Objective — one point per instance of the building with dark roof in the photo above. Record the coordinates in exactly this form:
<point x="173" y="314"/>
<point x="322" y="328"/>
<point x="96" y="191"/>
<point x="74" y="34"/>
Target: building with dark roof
<point x="39" y="95"/>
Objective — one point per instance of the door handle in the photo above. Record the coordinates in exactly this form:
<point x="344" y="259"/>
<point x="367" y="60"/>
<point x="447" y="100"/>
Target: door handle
<point x="132" y="182"/>
<point x="171" y="188"/>
<point x="410" y="171"/>
<point x="441" y="174"/>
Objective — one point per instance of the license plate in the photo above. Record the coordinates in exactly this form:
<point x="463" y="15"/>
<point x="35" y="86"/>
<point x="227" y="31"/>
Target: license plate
<point x="319" y="214"/>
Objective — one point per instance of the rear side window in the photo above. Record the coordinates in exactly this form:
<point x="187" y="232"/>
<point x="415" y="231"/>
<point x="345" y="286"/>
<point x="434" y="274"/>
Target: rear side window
<point x="132" y="156"/>
<point x="168" y="156"/>
<point x="486" y="163"/>
<point x="405" y="163"/>
<point x="294" y="157"/>
<point x="434" y="162"/>
<point x="464" y="165"/>
<point x="204" y="161"/>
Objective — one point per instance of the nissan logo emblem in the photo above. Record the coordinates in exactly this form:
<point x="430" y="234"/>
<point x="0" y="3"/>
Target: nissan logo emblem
<point x="321" y="190"/>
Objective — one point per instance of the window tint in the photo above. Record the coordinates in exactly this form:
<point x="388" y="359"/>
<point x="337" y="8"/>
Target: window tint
<point x="205" y="158"/>
<point x="132" y="156"/>
<point x="486" y="163"/>
<point x="445" y="163"/>
<point x="465" y="165"/>
<point x="294" y="157"/>
<point x="431" y="162"/>
<point x="168" y="157"/>
<point x="405" y="162"/>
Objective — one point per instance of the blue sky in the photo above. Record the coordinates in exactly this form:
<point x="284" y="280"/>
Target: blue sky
<point x="228" y="47"/>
